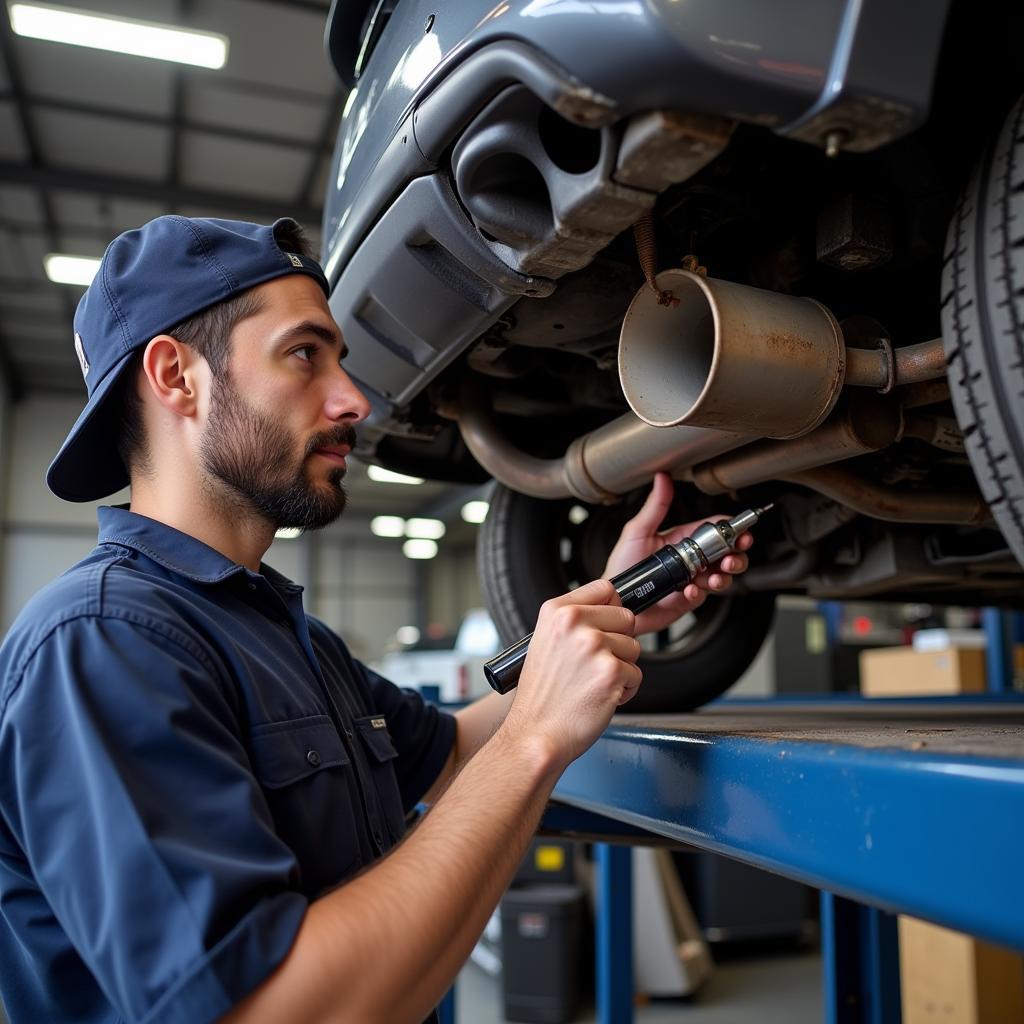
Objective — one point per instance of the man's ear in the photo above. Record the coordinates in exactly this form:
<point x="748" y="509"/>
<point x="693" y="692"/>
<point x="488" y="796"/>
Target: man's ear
<point x="175" y="373"/>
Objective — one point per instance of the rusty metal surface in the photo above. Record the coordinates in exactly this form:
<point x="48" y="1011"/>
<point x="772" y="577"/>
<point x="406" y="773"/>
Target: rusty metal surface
<point x="892" y="505"/>
<point x="863" y="423"/>
<point x="979" y="729"/>
<point x="866" y="367"/>
<point x="598" y="466"/>
<point x="730" y="357"/>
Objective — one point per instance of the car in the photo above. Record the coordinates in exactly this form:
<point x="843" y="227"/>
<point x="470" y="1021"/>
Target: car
<point x="454" y="664"/>
<point x="776" y="249"/>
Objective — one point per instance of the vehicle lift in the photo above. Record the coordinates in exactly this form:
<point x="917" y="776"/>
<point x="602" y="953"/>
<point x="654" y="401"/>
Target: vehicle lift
<point x="887" y="805"/>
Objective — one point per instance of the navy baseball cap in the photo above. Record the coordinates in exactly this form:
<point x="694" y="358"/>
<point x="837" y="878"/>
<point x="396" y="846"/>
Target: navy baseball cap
<point x="150" y="280"/>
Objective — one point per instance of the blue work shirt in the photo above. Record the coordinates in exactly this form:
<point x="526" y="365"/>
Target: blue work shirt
<point x="186" y="761"/>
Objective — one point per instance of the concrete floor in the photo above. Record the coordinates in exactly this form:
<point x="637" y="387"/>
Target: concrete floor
<point x="755" y="989"/>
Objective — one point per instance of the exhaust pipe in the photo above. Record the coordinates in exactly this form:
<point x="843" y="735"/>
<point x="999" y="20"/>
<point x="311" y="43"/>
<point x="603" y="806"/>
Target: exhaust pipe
<point x="861" y="424"/>
<point x="730" y="357"/>
<point x="598" y="467"/>
<point x="710" y="377"/>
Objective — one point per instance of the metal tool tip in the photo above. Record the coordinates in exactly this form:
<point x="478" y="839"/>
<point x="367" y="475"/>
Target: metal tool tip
<point x="767" y="508"/>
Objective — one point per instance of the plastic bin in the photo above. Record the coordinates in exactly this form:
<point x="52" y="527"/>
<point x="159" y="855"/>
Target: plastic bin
<point x="541" y="937"/>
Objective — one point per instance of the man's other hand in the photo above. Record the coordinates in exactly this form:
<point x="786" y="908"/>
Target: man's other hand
<point x="640" y="537"/>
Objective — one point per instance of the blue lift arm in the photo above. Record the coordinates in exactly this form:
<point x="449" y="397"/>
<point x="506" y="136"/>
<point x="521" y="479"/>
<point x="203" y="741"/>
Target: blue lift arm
<point x="910" y="806"/>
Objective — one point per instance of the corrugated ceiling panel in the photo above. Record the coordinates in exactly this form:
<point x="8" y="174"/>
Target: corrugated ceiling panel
<point x="12" y="141"/>
<point x="257" y="170"/>
<point x="210" y="103"/>
<point x="103" y="144"/>
<point x="80" y="75"/>
<point x="270" y="43"/>
<point x="20" y="203"/>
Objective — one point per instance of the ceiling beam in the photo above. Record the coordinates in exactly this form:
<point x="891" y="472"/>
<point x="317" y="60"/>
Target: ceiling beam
<point x="65" y="106"/>
<point x="313" y="6"/>
<point x="53" y="179"/>
<point x="10" y="61"/>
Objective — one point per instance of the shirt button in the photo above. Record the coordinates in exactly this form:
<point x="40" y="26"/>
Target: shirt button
<point x="378" y="838"/>
<point x="252" y="586"/>
<point x="313" y="757"/>
<point x="349" y="734"/>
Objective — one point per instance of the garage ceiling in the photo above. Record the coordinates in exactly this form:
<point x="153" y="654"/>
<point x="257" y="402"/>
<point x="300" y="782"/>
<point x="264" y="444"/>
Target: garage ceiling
<point x="93" y="143"/>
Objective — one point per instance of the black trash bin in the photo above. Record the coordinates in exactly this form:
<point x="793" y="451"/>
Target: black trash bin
<point x="542" y="939"/>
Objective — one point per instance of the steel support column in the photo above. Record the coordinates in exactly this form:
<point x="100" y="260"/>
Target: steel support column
<point x="614" y="934"/>
<point x="860" y="963"/>
<point x="998" y="627"/>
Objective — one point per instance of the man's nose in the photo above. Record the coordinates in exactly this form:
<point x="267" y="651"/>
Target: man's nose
<point x="345" y="401"/>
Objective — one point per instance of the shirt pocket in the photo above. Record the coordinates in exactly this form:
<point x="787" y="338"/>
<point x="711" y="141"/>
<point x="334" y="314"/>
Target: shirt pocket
<point x="381" y="754"/>
<point x="305" y="773"/>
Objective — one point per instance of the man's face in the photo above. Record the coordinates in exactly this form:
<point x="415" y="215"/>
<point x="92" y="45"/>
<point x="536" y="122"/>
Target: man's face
<point x="281" y="423"/>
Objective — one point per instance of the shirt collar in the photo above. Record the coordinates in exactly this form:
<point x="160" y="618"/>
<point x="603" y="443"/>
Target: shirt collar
<point x="177" y="551"/>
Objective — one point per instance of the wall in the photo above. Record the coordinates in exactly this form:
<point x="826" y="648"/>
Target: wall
<point x="361" y="586"/>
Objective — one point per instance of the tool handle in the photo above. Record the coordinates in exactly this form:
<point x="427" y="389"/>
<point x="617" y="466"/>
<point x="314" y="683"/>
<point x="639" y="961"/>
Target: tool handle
<point x="639" y="587"/>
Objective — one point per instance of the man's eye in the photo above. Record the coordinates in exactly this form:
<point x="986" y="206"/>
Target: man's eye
<point x="306" y="352"/>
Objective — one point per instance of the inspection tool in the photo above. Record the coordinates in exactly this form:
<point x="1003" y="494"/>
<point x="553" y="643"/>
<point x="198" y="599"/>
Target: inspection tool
<point x="669" y="569"/>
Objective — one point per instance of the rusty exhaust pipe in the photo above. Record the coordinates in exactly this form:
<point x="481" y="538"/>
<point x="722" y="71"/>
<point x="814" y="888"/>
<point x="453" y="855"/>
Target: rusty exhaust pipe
<point x="597" y="467"/>
<point x="861" y="424"/>
<point x="730" y="357"/>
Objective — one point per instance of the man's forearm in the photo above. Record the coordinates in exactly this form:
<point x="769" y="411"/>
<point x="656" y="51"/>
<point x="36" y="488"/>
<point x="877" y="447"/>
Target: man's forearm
<point x="386" y="946"/>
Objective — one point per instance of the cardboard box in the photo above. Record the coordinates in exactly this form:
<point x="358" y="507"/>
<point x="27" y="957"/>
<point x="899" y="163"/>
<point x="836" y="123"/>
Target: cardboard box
<point x="904" y="672"/>
<point x="953" y="979"/>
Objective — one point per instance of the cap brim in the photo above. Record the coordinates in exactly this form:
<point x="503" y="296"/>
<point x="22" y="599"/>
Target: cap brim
<point x="87" y="467"/>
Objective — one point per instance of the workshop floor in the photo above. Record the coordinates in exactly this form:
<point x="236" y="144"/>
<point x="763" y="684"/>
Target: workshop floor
<point x="783" y="989"/>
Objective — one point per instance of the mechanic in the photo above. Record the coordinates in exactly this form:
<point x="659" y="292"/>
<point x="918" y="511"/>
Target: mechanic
<point x="190" y="766"/>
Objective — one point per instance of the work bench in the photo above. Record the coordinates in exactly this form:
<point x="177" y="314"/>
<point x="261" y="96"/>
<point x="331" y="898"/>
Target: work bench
<point x="888" y="806"/>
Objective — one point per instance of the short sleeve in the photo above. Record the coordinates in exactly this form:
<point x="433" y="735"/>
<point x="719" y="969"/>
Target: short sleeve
<point x="124" y="780"/>
<point x="423" y="735"/>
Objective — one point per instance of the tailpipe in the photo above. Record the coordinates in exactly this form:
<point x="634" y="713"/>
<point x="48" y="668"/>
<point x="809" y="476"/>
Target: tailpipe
<point x="730" y="357"/>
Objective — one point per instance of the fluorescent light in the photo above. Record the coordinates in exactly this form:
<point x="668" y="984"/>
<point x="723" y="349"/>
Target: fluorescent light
<point x="475" y="511"/>
<point x="122" y="35"/>
<point x="62" y="269"/>
<point x="387" y="526"/>
<point x="288" y="532"/>
<point x="407" y="635"/>
<point x="419" y="548"/>
<point x="430" y="529"/>
<point x="578" y="514"/>
<point x="385" y="476"/>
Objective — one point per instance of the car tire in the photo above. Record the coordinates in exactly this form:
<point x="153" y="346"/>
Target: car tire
<point x="983" y="325"/>
<point x="531" y="550"/>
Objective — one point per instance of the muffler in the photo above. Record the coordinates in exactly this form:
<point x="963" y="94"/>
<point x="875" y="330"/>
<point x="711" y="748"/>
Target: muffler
<point x="730" y="357"/>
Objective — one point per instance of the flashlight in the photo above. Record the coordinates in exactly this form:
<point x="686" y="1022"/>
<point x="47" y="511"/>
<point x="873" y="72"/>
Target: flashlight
<point x="669" y="569"/>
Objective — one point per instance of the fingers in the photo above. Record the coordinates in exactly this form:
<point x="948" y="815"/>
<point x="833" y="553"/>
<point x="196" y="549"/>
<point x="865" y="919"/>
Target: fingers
<point x="595" y="606"/>
<point x="630" y="684"/>
<point x="655" y="508"/>
<point x="594" y="593"/>
<point x="625" y="648"/>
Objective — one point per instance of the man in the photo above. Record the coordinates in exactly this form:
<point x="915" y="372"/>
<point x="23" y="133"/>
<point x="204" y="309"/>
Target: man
<point x="190" y="767"/>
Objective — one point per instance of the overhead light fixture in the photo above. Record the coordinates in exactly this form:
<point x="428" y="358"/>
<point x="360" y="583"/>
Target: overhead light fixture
<point x="121" y="35"/>
<point x="475" y="511"/>
<point x="407" y="635"/>
<point x="288" y="533"/>
<point x="387" y="526"/>
<point x="63" y="269"/>
<point x="428" y="529"/>
<point x="419" y="547"/>
<point x="578" y="514"/>
<point x="385" y="476"/>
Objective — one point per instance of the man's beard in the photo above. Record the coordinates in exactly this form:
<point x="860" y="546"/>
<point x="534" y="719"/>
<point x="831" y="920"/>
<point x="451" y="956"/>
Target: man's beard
<point x="251" y="453"/>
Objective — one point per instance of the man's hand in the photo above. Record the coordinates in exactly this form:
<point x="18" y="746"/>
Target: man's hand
<point x="640" y="538"/>
<point x="581" y="667"/>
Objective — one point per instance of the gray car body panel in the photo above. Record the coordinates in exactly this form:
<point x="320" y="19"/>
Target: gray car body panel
<point x="800" y="68"/>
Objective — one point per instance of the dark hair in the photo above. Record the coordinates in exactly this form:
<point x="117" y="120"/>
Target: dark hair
<point x="209" y="333"/>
